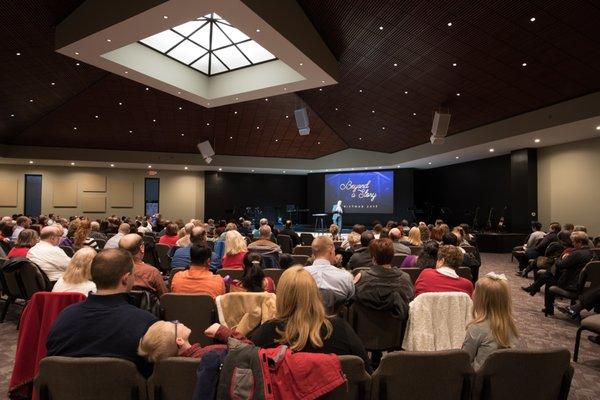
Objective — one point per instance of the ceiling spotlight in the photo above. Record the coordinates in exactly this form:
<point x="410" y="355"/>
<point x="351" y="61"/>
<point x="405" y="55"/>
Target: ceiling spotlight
<point x="381" y="28"/>
<point x="267" y="99"/>
<point x="301" y="64"/>
<point x="598" y="128"/>
<point x="74" y="128"/>
<point x="284" y="172"/>
<point x="77" y="64"/>
<point x="235" y="112"/>
<point x="112" y="165"/>
<point x="406" y="92"/>
<point x="12" y="115"/>
<point x="287" y="116"/>
<point x="220" y="169"/>
<point x="149" y="166"/>
<point x="186" y="168"/>
<point x="349" y="125"/>
<point x="383" y="128"/>
<point x="336" y="109"/>
<point x="373" y="111"/>
<point x="72" y="163"/>
<point x="414" y="114"/>
<point x="491" y="150"/>
<point x="258" y="127"/>
<point x="147" y="89"/>
<point x="359" y="138"/>
<point x="237" y="98"/>
<point x="454" y="64"/>
<point x="120" y="103"/>
<point x="52" y="83"/>
<point x="76" y="53"/>
<point x="18" y="54"/>
<point x="165" y="17"/>
<point x="183" y="134"/>
<point x="457" y="157"/>
<point x="108" y="40"/>
<point x="284" y="89"/>
<point x="320" y="89"/>
<point x="359" y="90"/>
<point x="208" y="124"/>
<point x="230" y="137"/>
<point x="532" y="19"/>
<point x="258" y="31"/>
<point x="322" y="81"/>
<point x="395" y="64"/>
<point x="96" y="116"/>
<point x="30" y="162"/>
<point x="179" y="92"/>
<point x="130" y="131"/>
<point x="524" y="64"/>
<point x="277" y="140"/>
<point x="429" y="163"/>
<point x="449" y="23"/>
<point x="153" y="120"/>
<point x="537" y="140"/>
<point x="181" y="108"/>
<point x="318" y="142"/>
<point x="251" y="170"/>
<point x="458" y="94"/>
<point x="31" y="100"/>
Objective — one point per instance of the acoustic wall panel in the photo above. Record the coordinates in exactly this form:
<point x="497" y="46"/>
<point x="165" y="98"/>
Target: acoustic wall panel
<point x="94" y="183"/>
<point x="93" y="203"/>
<point x="9" y="192"/>
<point x="65" y="194"/>
<point x="121" y="193"/>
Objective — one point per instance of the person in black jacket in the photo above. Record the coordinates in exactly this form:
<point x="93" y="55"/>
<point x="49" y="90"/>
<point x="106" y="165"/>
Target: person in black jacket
<point x="540" y="248"/>
<point x="362" y="256"/>
<point x="565" y="273"/>
<point x="287" y="230"/>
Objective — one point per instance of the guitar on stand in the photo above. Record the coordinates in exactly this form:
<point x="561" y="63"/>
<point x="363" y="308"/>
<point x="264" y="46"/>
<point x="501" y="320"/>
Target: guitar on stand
<point x="502" y="221"/>
<point x="488" y="225"/>
<point x="475" y="217"/>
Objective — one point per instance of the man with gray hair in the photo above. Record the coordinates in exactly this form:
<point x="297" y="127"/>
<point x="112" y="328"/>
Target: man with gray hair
<point x="256" y="232"/>
<point x="113" y="242"/>
<point x="185" y="240"/>
<point x="399" y="248"/>
<point x="95" y="233"/>
<point x="269" y="250"/>
<point x="47" y="255"/>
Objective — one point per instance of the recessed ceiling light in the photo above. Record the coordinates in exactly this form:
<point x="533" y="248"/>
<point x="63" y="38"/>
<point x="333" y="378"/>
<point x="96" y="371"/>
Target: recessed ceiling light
<point x="230" y="137"/>
<point x="320" y="89"/>
<point x="277" y="140"/>
<point x="318" y="142"/>
<point x="378" y="167"/>
<point x="414" y="114"/>
<point x="537" y="140"/>
<point x="153" y="120"/>
<point x="598" y="128"/>
<point x="287" y="116"/>
<point x="251" y="170"/>
<point x="31" y="100"/>
<point x="208" y="124"/>
<point x="149" y="166"/>
<point x="178" y="92"/>
<point x="301" y="64"/>
<point x="126" y="72"/>
<point x="237" y="98"/>
<point x="52" y="83"/>
<point x="395" y="64"/>
<point x="532" y="19"/>
<point x="457" y="157"/>
<point x="30" y="161"/>
<point x="74" y="128"/>
<point x="359" y="138"/>
<point x="112" y="165"/>
<point x="18" y="54"/>
<point x="183" y="134"/>
<point x="284" y="172"/>
<point x="349" y="125"/>
<point x="12" y="115"/>
<point x="381" y="28"/>
<point x="406" y="92"/>
<point x="147" y="88"/>
<point x="336" y="109"/>
<point x="258" y="127"/>
<point x="359" y="90"/>
<point x="96" y="116"/>
<point x="372" y="111"/>
<point x="130" y="131"/>
<point x="458" y="94"/>
<point x="165" y="17"/>
<point x="76" y="53"/>
<point x="454" y="64"/>
<point x="181" y="108"/>
<point x="72" y="163"/>
<point x="220" y="169"/>
<point x="266" y="99"/>
<point x="309" y="171"/>
<point x="108" y="40"/>
<point x="383" y="128"/>
<point x="120" y="103"/>
<point x="77" y="64"/>
<point x="449" y="23"/>
<point x="491" y="150"/>
<point x="284" y="89"/>
<point x="322" y="81"/>
<point x="186" y="168"/>
<point x="235" y="112"/>
<point x="524" y="64"/>
<point x="258" y="31"/>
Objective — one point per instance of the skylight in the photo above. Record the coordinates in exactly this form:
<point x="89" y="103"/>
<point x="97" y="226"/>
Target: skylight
<point x="210" y="45"/>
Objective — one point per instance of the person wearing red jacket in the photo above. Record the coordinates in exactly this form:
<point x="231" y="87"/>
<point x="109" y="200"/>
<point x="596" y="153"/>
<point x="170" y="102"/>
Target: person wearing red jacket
<point x="444" y="277"/>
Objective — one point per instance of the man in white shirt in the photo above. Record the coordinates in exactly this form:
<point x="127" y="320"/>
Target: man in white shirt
<point x="113" y="242"/>
<point x="326" y="275"/>
<point x="47" y="255"/>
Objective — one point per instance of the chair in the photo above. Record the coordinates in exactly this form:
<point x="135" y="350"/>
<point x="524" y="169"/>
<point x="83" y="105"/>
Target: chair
<point x="306" y="239"/>
<point x="101" y="243"/>
<point x="415" y="250"/>
<point x="233" y="273"/>
<point x="302" y="250"/>
<point x="244" y="311"/>
<point x="358" y="386"/>
<point x="171" y="275"/>
<point x="299" y="259"/>
<point x="398" y="259"/>
<point x="5" y="247"/>
<point x="147" y="238"/>
<point x="196" y="311"/>
<point x="173" y="378"/>
<point x="470" y="249"/>
<point x="592" y="324"/>
<point x="436" y="375"/>
<point x="274" y="273"/>
<point x="285" y="242"/>
<point x="162" y="250"/>
<point x="508" y="374"/>
<point x="68" y="250"/>
<point x="464" y="272"/>
<point x="589" y="279"/>
<point x="413" y="273"/>
<point x="377" y="330"/>
<point x="89" y="378"/>
<point x="21" y="279"/>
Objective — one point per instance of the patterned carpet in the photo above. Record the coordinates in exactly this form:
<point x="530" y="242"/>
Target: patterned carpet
<point x="537" y="331"/>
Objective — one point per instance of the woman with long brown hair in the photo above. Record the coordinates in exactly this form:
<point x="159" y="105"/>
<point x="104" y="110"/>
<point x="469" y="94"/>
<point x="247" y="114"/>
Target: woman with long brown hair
<point x="301" y="322"/>
<point x="82" y="238"/>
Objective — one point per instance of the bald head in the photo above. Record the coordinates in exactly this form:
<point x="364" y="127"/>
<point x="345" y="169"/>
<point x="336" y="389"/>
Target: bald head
<point x="395" y="234"/>
<point x="51" y="234"/>
<point x="124" y="229"/>
<point x="198" y="235"/>
<point x="265" y="232"/>
<point x="322" y="247"/>
<point x="134" y="244"/>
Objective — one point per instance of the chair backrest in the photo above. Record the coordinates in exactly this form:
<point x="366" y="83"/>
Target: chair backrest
<point x="377" y="330"/>
<point x="68" y="250"/>
<point x="172" y="274"/>
<point x="464" y="272"/>
<point x="413" y="273"/>
<point x="196" y="311"/>
<point x="299" y="259"/>
<point x="590" y="276"/>
<point x="5" y="247"/>
<point x="101" y="243"/>
<point x="303" y="250"/>
<point x="173" y="378"/>
<point x="22" y="278"/>
<point x="89" y="378"/>
<point x="397" y="260"/>
<point x="148" y="238"/>
<point x="415" y="250"/>
<point x="525" y="374"/>
<point x="285" y="242"/>
<point x="233" y="273"/>
<point x="423" y="375"/>
<point x="358" y="386"/>
<point x="306" y="239"/>
<point x="274" y="273"/>
<point x="162" y="250"/>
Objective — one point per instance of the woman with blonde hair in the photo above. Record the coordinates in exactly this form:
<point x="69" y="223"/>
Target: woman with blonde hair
<point x="301" y="322"/>
<point x="82" y="236"/>
<point x="493" y="326"/>
<point x="235" y="250"/>
<point x="414" y="236"/>
<point x="78" y="275"/>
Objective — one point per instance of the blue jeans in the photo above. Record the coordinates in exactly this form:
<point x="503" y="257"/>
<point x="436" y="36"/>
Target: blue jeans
<point x="337" y="219"/>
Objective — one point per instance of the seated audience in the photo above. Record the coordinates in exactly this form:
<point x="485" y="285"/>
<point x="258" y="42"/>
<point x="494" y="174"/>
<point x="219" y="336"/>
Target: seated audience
<point x="460" y="235"/>
<point x="105" y="324"/>
<point x="325" y="274"/>
<point x="444" y="277"/>
<point x="82" y="236"/>
<point x="95" y="232"/>
<point x="540" y="248"/>
<point x="361" y="257"/>
<point x="334" y="231"/>
<point x="285" y="261"/>
<point x="428" y="256"/>
<point x="228" y="228"/>
<point x="113" y="242"/>
<point x="301" y="323"/>
<point x="26" y="240"/>
<point x="472" y="261"/>
<point x="22" y="222"/>
<point x="184" y="241"/>
<point x="6" y="231"/>
<point x="47" y="255"/>
<point x="414" y="236"/>
<point x="77" y="277"/>
<point x="377" y="228"/>
<point x="67" y="237"/>
<point x="145" y="277"/>
<point x="357" y="228"/>
<point x="564" y="273"/>
<point x="493" y="326"/>
<point x="198" y="278"/>
<point x="181" y="257"/>
<point x="256" y="232"/>
<point x="246" y="229"/>
<point x="266" y="247"/>
<point x="399" y="247"/>
<point x="235" y="250"/>
<point x="253" y="279"/>
<point x="425" y="234"/>
<point x="170" y="237"/>
<point x="436" y="234"/>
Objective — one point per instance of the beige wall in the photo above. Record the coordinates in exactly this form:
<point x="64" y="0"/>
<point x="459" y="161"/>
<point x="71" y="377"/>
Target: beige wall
<point x="569" y="184"/>
<point x="181" y="193"/>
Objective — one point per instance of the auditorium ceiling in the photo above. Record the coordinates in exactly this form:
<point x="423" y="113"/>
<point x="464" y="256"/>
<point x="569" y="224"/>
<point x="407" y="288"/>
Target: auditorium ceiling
<point x="399" y="61"/>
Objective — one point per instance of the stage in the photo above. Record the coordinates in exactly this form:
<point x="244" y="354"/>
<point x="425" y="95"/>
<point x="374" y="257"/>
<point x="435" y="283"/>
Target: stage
<point x="499" y="242"/>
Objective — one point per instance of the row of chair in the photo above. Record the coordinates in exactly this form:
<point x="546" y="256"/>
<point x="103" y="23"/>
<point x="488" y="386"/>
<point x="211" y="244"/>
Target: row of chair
<point x="507" y="374"/>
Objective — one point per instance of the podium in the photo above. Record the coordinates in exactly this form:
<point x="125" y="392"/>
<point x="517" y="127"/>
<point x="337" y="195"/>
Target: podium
<point x="320" y="222"/>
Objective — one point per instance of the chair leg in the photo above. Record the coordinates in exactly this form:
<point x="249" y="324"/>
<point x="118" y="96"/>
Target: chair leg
<point x="7" y="304"/>
<point x="577" y="342"/>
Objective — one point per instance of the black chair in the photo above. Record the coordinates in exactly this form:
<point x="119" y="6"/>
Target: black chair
<point x="465" y="272"/>
<point x="21" y="278"/>
<point x="68" y="250"/>
<point x="306" y="239"/>
<point x="589" y="279"/>
<point x="592" y="324"/>
<point x="173" y="378"/>
<point x="299" y="259"/>
<point x="196" y="311"/>
<point x="5" y="247"/>
<point x="162" y="250"/>
<point x="413" y="273"/>
<point x="285" y="242"/>
<point x="377" y="330"/>
<point x="274" y="273"/>
<point x="101" y="243"/>
<point x="358" y="386"/>
<point x="172" y="274"/>
<point x="415" y="250"/>
<point x="398" y="259"/>
<point x="302" y="250"/>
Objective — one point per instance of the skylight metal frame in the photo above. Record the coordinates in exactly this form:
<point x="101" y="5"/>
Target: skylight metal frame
<point x="213" y="20"/>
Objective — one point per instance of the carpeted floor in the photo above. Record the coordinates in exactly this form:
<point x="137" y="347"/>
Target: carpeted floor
<point x="537" y="331"/>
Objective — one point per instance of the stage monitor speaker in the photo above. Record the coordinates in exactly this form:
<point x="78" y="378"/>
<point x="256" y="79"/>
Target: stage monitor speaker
<point x="439" y="129"/>
<point x="302" y="121"/>
<point x="206" y="150"/>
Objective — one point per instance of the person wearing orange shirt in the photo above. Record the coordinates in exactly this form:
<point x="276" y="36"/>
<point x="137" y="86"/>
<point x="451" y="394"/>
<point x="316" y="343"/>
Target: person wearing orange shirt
<point x="198" y="278"/>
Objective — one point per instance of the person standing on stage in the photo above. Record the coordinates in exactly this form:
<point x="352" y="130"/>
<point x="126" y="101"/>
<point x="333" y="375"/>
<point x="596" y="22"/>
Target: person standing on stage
<point x="337" y="214"/>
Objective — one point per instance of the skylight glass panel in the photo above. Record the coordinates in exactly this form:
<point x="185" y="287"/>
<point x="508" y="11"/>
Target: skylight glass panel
<point x="209" y="44"/>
